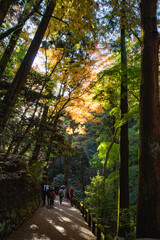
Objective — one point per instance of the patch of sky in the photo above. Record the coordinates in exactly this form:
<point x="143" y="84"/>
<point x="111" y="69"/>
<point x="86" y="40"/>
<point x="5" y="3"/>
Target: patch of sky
<point x="39" y="62"/>
<point x="158" y="16"/>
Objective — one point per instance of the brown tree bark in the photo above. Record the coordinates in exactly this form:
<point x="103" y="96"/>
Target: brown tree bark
<point x="13" y="41"/>
<point x="123" y="195"/>
<point x="148" y="210"/>
<point x="82" y="176"/>
<point x="4" y="7"/>
<point x="53" y="168"/>
<point x="124" y="148"/>
<point x="60" y="164"/>
<point x="66" y="168"/>
<point x="9" y="50"/>
<point x="20" y="78"/>
<point x="67" y="159"/>
<point x="23" y="18"/>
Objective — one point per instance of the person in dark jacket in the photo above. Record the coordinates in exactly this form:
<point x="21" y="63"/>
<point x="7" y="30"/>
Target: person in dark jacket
<point x="71" y="195"/>
<point x="48" y="195"/>
<point x="67" y="194"/>
<point x="44" y="195"/>
<point x="56" y="189"/>
<point x="52" y="195"/>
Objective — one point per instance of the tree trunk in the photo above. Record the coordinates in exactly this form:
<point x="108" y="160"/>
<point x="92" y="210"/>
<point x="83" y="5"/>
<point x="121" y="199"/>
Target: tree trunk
<point x="13" y="41"/>
<point x="4" y="7"/>
<point x="148" y="211"/>
<point x="60" y="164"/>
<point x="66" y="168"/>
<point x="40" y="134"/>
<point x="19" y="80"/>
<point x="53" y="168"/>
<point x="67" y="158"/>
<point x="8" y="51"/>
<point x="24" y="149"/>
<point x="9" y="148"/>
<point x="123" y="196"/>
<point x="24" y="17"/>
<point x="82" y="177"/>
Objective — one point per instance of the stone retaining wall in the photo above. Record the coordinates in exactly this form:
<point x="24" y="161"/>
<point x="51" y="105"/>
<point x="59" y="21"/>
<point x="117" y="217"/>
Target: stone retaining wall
<point x="12" y="218"/>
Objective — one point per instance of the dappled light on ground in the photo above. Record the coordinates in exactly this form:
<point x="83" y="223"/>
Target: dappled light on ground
<point x="61" y="222"/>
<point x="34" y="226"/>
<point x="60" y="229"/>
<point x="65" y="219"/>
<point x="43" y="237"/>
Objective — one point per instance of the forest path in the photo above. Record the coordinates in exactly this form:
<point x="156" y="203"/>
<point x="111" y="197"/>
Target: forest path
<point x="61" y="222"/>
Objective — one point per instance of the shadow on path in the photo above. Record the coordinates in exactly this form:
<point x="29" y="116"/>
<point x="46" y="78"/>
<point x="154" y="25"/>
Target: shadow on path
<point x="61" y="222"/>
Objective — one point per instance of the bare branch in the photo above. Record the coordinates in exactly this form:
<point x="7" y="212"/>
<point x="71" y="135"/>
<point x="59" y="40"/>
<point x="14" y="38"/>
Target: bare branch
<point x="136" y="35"/>
<point x="59" y="19"/>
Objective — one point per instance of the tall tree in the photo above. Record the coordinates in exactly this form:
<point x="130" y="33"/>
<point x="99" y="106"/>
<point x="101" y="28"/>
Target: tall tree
<point x="123" y="195"/>
<point x="67" y="159"/>
<point x="19" y="80"/>
<point x="148" y="213"/>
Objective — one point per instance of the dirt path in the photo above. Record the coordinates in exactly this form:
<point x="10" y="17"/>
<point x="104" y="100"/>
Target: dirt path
<point x="62" y="222"/>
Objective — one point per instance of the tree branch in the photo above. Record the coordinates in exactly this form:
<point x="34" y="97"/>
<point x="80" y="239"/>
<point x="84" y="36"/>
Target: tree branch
<point x="136" y="35"/>
<point x="107" y="153"/>
<point x="134" y="95"/>
<point x="54" y="17"/>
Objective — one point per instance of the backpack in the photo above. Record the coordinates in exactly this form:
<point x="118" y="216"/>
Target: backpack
<point x="52" y="195"/>
<point x="61" y="192"/>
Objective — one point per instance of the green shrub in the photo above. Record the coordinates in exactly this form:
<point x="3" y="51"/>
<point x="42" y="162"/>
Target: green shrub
<point x="101" y="202"/>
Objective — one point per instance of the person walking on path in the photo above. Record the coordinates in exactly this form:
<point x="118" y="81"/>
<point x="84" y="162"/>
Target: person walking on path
<point x="67" y="194"/>
<point x="48" y="195"/>
<point x="61" y="195"/>
<point x="71" y="194"/>
<point x="44" y="195"/>
<point x="62" y="223"/>
<point x="52" y="195"/>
